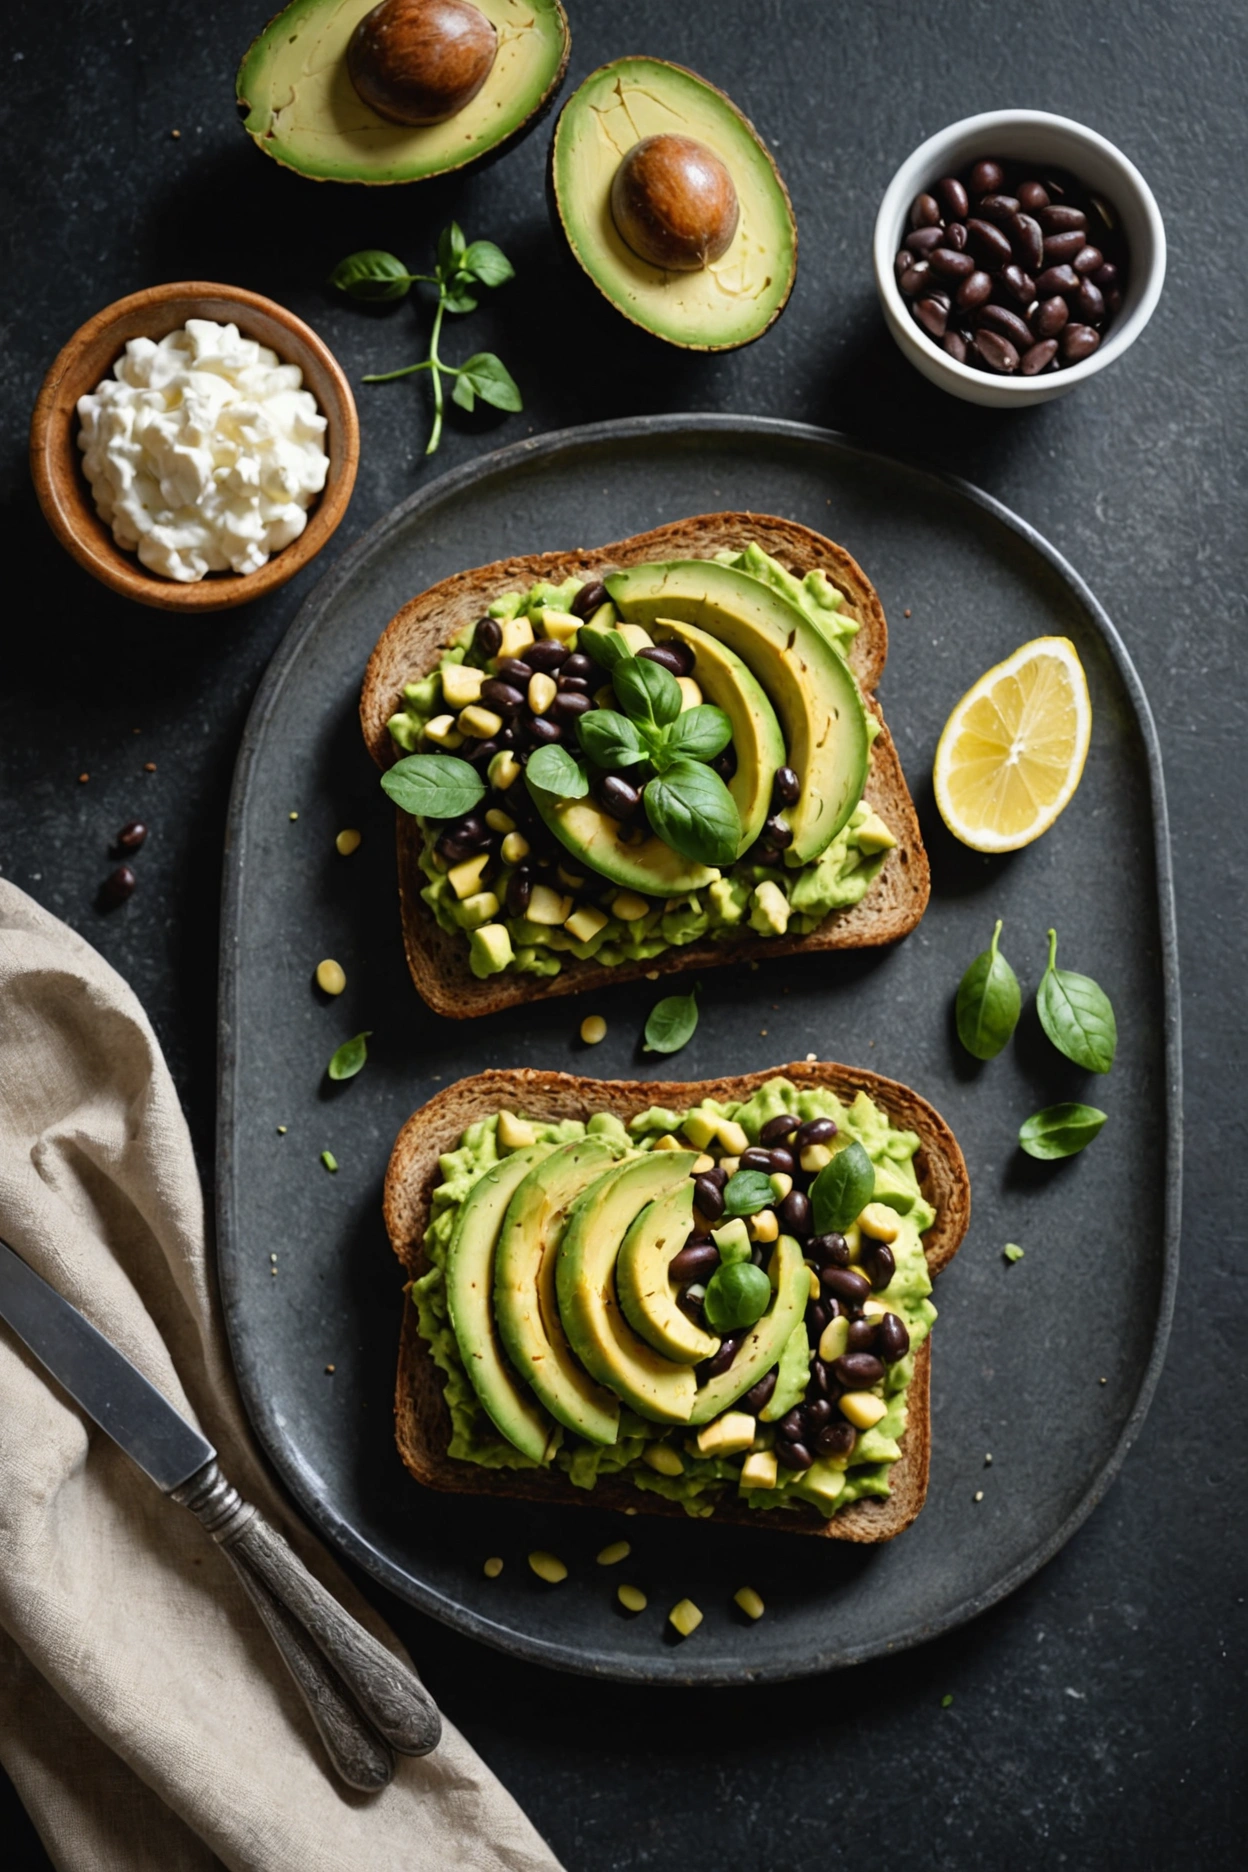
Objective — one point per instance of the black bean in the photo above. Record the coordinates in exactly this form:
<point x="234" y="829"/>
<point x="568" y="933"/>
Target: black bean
<point x="1088" y="260"/>
<point x="502" y="697"/>
<point x="1038" y="358"/>
<point x="709" y="1199"/>
<point x="588" y="599"/>
<point x="718" y="1176"/>
<point x="579" y="665"/>
<point x="793" y="1455"/>
<point x="618" y="797"/>
<point x="1049" y="317"/>
<point x="1105" y="276"/>
<point x="932" y="314"/>
<point x="955" y="236"/>
<point x="1113" y="300"/>
<point x="132" y="835"/>
<point x="953" y="198"/>
<point x="778" y="832"/>
<point x="546" y="654"/>
<point x="1059" y="219"/>
<point x="541" y="731"/>
<point x="783" y="1162"/>
<point x="481" y="752"/>
<point x="757" y="1157"/>
<point x="858" y="1371"/>
<point x="951" y="264"/>
<point x="986" y="177"/>
<point x="1061" y="248"/>
<point x="894" y="1339"/>
<point x="821" y="1378"/>
<point x="664" y="656"/>
<point x="1057" y="279"/>
<point x="817" y="1317"/>
<point x="519" y="891"/>
<point x="829" y="1250"/>
<point x="925" y="211"/>
<point x="862" y="1335"/>
<point x="999" y="208"/>
<point x="902" y="262"/>
<point x="791" y="1425"/>
<point x="955" y="344"/>
<point x="486" y="637"/>
<point x="836" y="1439"/>
<point x="846" y="1284"/>
<point x="922" y="240"/>
<point x="697" y="1261"/>
<point x="1090" y="303"/>
<point x="916" y="279"/>
<point x="1079" y="342"/>
<point x="882" y="1264"/>
<point x="572" y="685"/>
<point x="725" y="764"/>
<point x="471" y="831"/>
<point x="989" y="243"/>
<point x="794" y="1213"/>
<point x="729" y="1346"/>
<point x="1026" y="241"/>
<point x="783" y="1125"/>
<point x="975" y="290"/>
<point x="568" y="704"/>
<point x="817" y="1413"/>
<point x="786" y="787"/>
<point x="814" y="1131"/>
<point x="1000" y="319"/>
<point x="513" y="670"/>
<point x="1032" y="195"/>
<point x="997" y="352"/>
<point x="1021" y="285"/>
<point x="759" y="1394"/>
<point x="119" y="884"/>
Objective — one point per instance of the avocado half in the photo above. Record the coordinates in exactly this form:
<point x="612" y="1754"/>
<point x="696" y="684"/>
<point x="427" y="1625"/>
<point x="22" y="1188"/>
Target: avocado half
<point x="729" y="302"/>
<point x="299" y="106"/>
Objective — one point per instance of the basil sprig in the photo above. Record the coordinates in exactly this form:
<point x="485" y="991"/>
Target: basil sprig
<point x="686" y="802"/>
<point x="988" y="1002"/>
<point x="1077" y="1015"/>
<point x="436" y="786"/>
<point x="842" y="1190"/>
<point x="1060" y="1130"/>
<point x="672" y="1022"/>
<point x="746" y="1192"/>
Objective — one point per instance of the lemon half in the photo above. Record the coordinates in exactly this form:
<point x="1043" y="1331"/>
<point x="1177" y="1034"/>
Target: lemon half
<point x="1012" y="751"/>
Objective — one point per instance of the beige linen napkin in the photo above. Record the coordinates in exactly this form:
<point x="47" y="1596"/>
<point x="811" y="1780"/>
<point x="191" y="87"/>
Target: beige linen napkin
<point x="145" y="1716"/>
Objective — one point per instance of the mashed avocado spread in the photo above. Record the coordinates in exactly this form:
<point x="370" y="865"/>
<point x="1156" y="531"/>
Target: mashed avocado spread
<point x="768" y="891"/>
<point x="544" y="1260"/>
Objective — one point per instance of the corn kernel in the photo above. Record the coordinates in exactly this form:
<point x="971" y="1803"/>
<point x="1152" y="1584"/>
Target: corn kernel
<point x="703" y="1164"/>
<point x="730" y="1165"/>
<point x="514" y="848"/>
<point x="503" y="770"/>
<point x="548" y="906"/>
<point x="468" y="876"/>
<point x="727" y="1435"/>
<point x="612" y="1555"/>
<point x="348" y="842"/>
<point x="732" y="1136"/>
<point x="499" y="821"/>
<point x="880" y="1222"/>
<point x="781" y="1184"/>
<point x="629" y="907"/>
<point x="443" y="732"/>
<point x="815" y="1289"/>
<point x="862" y="1408"/>
<point x="481" y="723"/>
<point x="593" y="1029"/>
<point x="663" y="1459"/>
<point x="873" y="1310"/>
<point x="542" y="691"/>
<point x="631" y="1598"/>
<point x="685" y="1617"/>
<point x="514" y="1133"/>
<point x="571" y="880"/>
<point x="749" y="1602"/>
<point x="834" y="1339"/>
<point x="815" y="1157"/>
<point x="690" y="694"/>
<point x="559" y="626"/>
<point x="516" y="638"/>
<point x="585" y="923"/>
<point x="461" y="684"/>
<point x="493" y="1567"/>
<point x="853" y="1241"/>
<point x="763" y="1226"/>
<point x="699" y="1127"/>
<point x="548" y="1567"/>
<point x="604" y="697"/>
<point x="330" y="977"/>
<point x="759" y="1469"/>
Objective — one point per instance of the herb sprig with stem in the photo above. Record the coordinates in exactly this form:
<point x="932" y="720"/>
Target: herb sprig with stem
<point x="378" y="276"/>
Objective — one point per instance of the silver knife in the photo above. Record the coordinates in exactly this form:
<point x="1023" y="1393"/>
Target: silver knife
<point x="364" y="1701"/>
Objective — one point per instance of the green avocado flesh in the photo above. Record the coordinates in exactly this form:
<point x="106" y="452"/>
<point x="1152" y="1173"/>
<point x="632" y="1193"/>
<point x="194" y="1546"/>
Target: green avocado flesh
<point x="303" y="111"/>
<point x="732" y="300"/>
<point x="645" y="1292"/>
<point x="756" y="737"/>
<point x="595" y="837"/>
<point x="807" y="680"/>
<point x="547" y="1301"/>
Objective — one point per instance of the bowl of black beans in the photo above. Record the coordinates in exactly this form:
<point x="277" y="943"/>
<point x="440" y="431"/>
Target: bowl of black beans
<point x="1016" y="254"/>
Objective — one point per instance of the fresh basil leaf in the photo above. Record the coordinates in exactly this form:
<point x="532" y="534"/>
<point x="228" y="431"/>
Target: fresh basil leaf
<point x="554" y="771"/>
<point x="350" y="1057"/>
<point x="483" y="261"/>
<point x="647" y="692"/>
<point x="463" y="393"/>
<point x="372" y="274"/>
<point x="691" y="809"/>
<point x="610" y="739"/>
<point x="491" y="381"/>
<point x="701" y="732"/>
<point x="672" y="1023"/>
<point x="1060" y="1130"/>
<point x="988" y="1002"/>
<point x="457" y="298"/>
<point x="1077" y="1015"/>
<point x="606" y="647"/>
<point x="451" y="249"/>
<point x="842" y="1190"/>
<point x="747" y="1192"/>
<point x="436" y="786"/>
<point x="735" y="1296"/>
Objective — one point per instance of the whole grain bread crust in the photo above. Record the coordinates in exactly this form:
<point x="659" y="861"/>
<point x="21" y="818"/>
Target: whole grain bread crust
<point x="412" y="644"/>
<point x="422" y="1420"/>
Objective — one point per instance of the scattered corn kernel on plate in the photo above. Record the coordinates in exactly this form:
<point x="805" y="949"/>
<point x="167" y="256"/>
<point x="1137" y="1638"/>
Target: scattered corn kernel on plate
<point x="1043" y="1364"/>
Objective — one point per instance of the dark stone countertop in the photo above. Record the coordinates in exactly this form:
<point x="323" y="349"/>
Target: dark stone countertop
<point x="1092" y="1721"/>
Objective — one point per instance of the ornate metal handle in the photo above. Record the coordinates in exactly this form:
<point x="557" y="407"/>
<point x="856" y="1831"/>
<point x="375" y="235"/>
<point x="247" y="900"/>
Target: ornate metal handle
<point x="357" y="1692"/>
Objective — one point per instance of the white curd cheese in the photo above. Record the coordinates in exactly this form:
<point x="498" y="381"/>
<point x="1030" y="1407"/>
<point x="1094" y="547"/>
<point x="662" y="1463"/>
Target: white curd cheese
<point x="203" y="451"/>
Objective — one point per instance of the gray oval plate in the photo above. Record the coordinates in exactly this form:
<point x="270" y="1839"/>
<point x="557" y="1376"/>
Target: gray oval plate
<point x="1047" y="1365"/>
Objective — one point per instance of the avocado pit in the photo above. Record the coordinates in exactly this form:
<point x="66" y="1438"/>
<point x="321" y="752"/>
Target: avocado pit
<point x="675" y="203"/>
<point x="420" y="62"/>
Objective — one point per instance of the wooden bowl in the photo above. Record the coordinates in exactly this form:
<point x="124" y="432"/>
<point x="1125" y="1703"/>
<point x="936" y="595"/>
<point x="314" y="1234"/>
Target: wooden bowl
<point x="56" y="460"/>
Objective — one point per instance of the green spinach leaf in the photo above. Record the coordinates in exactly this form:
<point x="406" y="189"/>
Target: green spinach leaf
<point x="436" y="786"/>
<point x="554" y="771"/>
<point x="747" y="1192"/>
<point x="672" y="1023"/>
<point x="842" y="1190"/>
<point x="988" y="1002"/>
<point x="1076" y="1015"/>
<point x="1060" y="1130"/>
<point x="350" y="1056"/>
<point x="691" y="809"/>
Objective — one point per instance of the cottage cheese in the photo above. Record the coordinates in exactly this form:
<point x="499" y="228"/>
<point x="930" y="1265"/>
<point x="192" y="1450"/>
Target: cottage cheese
<point x="203" y="451"/>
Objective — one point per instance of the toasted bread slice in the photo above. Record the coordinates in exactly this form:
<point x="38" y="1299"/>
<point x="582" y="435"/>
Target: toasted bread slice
<point x="422" y="1421"/>
<point x="412" y="644"/>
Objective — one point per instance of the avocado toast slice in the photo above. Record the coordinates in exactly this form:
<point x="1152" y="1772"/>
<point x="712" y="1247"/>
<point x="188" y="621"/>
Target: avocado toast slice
<point x="424" y="1425"/>
<point x="412" y="647"/>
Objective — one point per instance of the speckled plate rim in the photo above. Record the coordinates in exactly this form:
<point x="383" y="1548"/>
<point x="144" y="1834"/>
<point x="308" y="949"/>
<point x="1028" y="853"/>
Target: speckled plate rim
<point x="283" y="1451"/>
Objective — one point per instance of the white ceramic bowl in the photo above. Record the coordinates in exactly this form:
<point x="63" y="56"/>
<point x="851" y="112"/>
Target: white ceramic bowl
<point x="1033" y="136"/>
